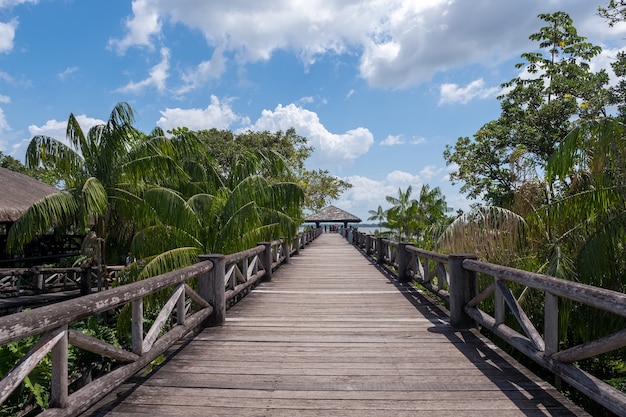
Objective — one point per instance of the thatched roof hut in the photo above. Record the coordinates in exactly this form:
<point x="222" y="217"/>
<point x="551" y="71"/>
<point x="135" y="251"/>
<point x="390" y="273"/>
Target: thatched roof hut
<point x="18" y="192"/>
<point x="332" y="214"/>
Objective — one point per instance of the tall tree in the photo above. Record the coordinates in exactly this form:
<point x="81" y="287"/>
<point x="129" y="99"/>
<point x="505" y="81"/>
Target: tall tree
<point x="556" y="90"/>
<point x="319" y="186"/>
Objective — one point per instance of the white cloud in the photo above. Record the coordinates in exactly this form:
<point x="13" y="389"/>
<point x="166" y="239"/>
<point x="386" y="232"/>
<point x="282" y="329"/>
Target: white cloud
<point x="7" y="35"/>
<point x="6" y="4"/>
<point x="67" y="72"/>
<point x="158" y="75"/>
<point x="330" y="147"/>
<point x="453" y="93"/>
<point x="216" y="115"/>
<point x="203" y="72"/>
<point x="57" y="129"/>
<point x="5" y="99"/>
<point x="392" y="140"/>
<point x="400" y="43"/>
<point x="367" y="194"/>
<point x="144" y="24"/>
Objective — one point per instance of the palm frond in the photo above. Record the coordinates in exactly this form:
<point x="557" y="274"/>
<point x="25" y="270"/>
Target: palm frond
<point x="172" y="208"/>
<point x="52" y="210"/>
<point x="159" y="238"/>
<point x="94" y="197"/>
<point x="169" y="261"/>
<point x="492" y="233"/>
<point x="56" y="156"/>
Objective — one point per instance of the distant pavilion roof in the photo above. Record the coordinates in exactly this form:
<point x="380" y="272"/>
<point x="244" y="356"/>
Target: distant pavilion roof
<point x="18" y="192"/>
<point x="332" y="214"/>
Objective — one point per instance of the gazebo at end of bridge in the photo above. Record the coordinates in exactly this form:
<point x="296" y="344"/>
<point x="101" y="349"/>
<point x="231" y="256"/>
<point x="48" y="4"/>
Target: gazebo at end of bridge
<point x="332" y="214"/>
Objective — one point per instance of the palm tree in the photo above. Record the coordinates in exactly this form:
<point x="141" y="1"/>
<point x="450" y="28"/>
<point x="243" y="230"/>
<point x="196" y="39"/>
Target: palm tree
<point x="379" y="215"/>
<point x="243" y="210"/>
<point x="399" y="214"/>
<point x="103" y="173"/>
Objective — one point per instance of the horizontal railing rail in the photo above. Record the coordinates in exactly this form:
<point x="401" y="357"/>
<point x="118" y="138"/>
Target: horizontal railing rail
<point x="198" y="297"/>
<point x="15" y="282"/>
<point x="454" y="279"/>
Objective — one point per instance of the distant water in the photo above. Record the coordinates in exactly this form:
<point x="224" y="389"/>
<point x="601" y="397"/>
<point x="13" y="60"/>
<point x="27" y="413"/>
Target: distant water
<point x="363" y="229"/>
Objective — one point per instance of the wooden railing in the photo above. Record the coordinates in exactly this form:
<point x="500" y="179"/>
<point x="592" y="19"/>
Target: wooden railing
<point x="198" y="297"/>
<point x="15" y="282"/>
<point x="454" y="279"/>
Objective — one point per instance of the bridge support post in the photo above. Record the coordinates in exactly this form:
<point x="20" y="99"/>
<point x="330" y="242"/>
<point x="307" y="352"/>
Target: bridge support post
<point x="287" y="250"/>
<point x="403" y="262"/>
<point x="266" y="260"/>
<point x="59" y="383"/>
<point x="462" y="289"/>
<point x="85" y="280"/>
<point x="380" y="253"/>
<point x="296" y="244"/>
<point x="211" y="288"/>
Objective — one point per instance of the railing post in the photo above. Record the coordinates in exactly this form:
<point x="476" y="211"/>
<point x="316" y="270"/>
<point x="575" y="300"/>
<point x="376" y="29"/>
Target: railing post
<point x="296" y="244"/>
<point x="403" y="262"/>
<point x="211" y="288"/>
<point x="266" y="260"/>
<point x="38" y="280"/>
<point x="59" y="382"/>
<point x="462" y="289"/>
<point x="380" y="253"/>
<point x="286" y="250"/>
<point x="85" y="281"/>
<point x="368" y="244"/>
<point x="137" y="326"/>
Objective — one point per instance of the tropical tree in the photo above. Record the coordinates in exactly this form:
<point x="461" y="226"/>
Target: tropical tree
<point x="556" y="91"/>
<point x="399" y="215"/>
<point x="379" y="215"/>
<point x="246" y="208"/>
<point x="103" y="173"/>
<point x="416" y="219"/>
<point x="318" y="185"/>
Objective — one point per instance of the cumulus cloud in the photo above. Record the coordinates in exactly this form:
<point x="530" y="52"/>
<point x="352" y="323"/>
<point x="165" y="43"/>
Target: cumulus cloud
<point x="158" y="75"/>
<point x="67" y="72"/>
<point x="400" y="43"/>
<point x="5" y="99"/>
<point x="367" y="193"/>
<point x="453" y="93"/>
<point x="7" y="35"/>
<point x="141" y="27"/>
<point x="329" y="146"/>
<point x="217" y="114"/>
<point x="203" y="72"/>
<point x="57" y="129"/>
<point x="393" y="140"/>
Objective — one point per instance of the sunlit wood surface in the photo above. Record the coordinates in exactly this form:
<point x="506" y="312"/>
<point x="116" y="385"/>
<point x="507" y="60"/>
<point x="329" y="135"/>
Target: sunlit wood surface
<point x="332" y="335"/>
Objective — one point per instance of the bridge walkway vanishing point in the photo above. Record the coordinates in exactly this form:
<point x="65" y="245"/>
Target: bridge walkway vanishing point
<point x="331" y="335"/>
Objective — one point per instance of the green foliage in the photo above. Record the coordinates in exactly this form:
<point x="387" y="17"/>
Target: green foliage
<point x="227" y="150"/>
<point x="539" y="108"/>
<point x="416" y="221"/>
<point x="36" y="386"/>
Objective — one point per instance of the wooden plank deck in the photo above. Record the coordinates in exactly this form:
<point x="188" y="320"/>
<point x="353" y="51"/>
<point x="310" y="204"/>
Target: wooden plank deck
<point x="331" y="335"/>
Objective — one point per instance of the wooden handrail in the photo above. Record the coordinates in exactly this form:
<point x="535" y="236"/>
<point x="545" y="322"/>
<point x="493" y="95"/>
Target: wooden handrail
<point x="457" y="286"/>
<point x="219" y="279"/>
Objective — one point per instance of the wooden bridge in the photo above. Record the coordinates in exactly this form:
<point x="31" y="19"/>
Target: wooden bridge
<point x="330" y="332"/>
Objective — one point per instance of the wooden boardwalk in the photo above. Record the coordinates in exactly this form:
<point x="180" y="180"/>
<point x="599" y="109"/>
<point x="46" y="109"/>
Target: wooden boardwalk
<point x="330" y="335"/>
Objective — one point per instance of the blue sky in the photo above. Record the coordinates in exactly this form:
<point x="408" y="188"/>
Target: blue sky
<point x="378" y="87"/>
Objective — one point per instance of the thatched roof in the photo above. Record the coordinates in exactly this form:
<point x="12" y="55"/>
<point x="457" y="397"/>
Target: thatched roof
<point x="18" y="192"/>
<point x="332" y="214"/>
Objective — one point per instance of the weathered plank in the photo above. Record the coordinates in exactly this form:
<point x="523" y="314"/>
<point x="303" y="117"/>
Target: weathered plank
<point x="331" y="335"/>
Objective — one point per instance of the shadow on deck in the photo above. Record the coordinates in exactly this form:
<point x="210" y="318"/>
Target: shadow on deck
<point x="333" y="335"/>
